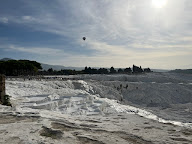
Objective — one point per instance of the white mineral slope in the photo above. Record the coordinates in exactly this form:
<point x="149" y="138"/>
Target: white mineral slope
<point x="90" y="110"/>
<point x="77" y="97"/>
<point x="167" y="95"/>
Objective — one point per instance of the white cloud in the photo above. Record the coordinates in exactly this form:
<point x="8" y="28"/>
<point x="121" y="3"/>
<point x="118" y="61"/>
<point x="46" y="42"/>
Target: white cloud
<point x="28" y="18"/>
<point x="123" y="30"/>
<point x="3" y="20"/>
<point x="38" y="50"/>
<point x="109" y="56"/>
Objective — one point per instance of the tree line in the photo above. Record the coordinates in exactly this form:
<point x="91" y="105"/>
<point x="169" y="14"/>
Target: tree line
<point x="89" y="70"/>
<point x="27" y="67"/>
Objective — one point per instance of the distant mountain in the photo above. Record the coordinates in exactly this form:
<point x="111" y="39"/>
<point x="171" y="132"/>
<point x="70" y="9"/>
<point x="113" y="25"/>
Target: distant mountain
<point x="58" y="67"/>
<point x="6" y="59"/>
<point x="160" y="70"/>
<point x="183" y="71"/>
<point x="47" y="66"/>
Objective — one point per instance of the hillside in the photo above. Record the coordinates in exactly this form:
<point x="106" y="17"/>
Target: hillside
<point x="58" y="67"/>
<point x="182" y="71"/>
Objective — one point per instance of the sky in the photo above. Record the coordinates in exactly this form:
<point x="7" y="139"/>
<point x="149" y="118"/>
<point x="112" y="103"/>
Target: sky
<point x="119" y="33"/>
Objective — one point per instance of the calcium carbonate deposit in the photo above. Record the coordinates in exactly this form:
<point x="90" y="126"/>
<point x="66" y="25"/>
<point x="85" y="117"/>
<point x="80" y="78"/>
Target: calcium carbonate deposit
<point x="162" y="97"/>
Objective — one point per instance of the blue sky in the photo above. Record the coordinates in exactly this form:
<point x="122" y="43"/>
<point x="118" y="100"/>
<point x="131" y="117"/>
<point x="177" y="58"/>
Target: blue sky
<point x="119" y="33"/>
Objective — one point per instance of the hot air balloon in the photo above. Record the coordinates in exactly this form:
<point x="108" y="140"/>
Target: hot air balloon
<point x="84" y="38"/>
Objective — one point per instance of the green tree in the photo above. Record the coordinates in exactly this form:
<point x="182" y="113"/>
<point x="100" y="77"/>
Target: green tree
<point x="120" y="70"/>
<point x="112" y="70"/>
<point x="50" y="70"/>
